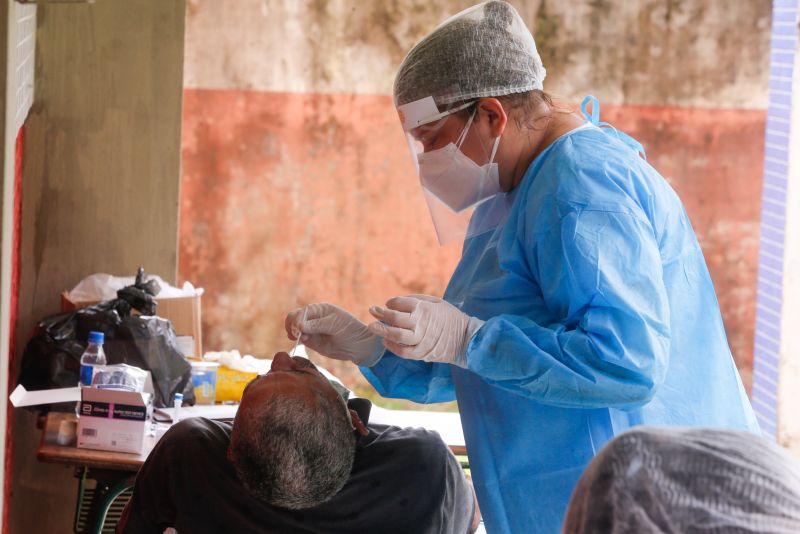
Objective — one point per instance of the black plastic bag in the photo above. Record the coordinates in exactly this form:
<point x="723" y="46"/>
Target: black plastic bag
<point x="141" y="295"/>
<point x="52" y="357"/>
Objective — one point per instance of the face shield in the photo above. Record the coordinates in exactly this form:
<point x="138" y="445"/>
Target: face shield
<point x="462" y="191"/>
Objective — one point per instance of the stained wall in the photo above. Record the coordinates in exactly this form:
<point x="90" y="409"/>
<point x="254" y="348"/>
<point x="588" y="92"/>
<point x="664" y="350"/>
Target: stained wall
<point x="297" y="186"/>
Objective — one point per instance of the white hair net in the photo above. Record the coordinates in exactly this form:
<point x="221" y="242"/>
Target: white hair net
<point x="483" y="51"/>
<point x="687" y="480"/>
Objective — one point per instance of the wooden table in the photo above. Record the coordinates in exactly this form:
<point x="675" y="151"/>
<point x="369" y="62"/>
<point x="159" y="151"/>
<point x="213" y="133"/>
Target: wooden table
<point x="50" y="451"/>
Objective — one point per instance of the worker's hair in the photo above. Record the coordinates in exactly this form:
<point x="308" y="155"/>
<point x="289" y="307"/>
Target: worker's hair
<point x="293" y="453"/>
<point x="526" y="108"/>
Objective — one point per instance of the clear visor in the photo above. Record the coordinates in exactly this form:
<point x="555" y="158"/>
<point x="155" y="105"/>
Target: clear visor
<point x="463" y="196"/>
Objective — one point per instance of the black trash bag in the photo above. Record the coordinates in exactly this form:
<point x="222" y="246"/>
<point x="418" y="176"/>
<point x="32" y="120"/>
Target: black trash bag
<point x="52" y="357"/>
<point x="141" y="295"/>
<point x="149" y="342"/>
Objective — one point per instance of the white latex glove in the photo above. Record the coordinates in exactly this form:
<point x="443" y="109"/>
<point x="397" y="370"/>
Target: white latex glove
<point x="335" y="333"/>
<point x="421" y="327"/>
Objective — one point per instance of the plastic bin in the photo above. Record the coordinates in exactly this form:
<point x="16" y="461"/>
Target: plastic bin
<point x="204" y="382"/>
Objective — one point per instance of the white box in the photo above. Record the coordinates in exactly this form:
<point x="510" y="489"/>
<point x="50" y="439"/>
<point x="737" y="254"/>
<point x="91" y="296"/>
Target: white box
<point x="113" y="420"/>
<point x="22" y="397"/>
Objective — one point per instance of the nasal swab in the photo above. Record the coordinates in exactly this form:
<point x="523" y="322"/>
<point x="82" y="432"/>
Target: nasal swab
<point x="300" y="334"/>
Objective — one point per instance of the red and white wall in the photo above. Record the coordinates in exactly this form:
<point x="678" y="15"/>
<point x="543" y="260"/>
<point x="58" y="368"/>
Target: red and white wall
<point x="21" y="40"/>
<point x="297" y="186"/>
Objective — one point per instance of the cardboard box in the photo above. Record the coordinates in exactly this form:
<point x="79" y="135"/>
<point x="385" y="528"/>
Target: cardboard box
<point x="182" y="312"/>
<point x="112" y="420"/>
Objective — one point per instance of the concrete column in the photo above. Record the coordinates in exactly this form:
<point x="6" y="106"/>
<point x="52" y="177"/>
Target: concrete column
<point x="777" y="346"/>
<point x="100" y="188"/>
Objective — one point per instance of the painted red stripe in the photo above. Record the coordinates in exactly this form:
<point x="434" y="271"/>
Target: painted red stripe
<point x="13" y="313"/>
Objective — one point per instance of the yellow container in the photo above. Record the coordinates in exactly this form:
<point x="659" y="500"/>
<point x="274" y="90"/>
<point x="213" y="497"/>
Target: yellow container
<point x="231" y="383"/>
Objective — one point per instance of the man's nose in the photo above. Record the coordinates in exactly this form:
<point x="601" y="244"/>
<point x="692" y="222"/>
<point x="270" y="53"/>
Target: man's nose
<point x="282" y="362"/>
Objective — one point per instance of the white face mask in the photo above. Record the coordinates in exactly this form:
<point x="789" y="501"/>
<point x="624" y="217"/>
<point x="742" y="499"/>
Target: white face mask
<point x="456" y="180"/>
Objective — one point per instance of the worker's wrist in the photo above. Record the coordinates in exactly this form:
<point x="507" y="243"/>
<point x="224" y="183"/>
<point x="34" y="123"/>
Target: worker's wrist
<point x="373" y="357"/>
<point x="473" y="325"/>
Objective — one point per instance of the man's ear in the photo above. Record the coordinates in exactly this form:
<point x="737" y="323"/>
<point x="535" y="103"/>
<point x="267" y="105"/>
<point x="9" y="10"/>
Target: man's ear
<point x="358" y="424"/>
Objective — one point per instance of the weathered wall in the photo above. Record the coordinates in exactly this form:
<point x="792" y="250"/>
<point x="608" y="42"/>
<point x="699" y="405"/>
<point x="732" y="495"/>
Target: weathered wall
<point x="297" y="186"/>
<point x="100" y="186"/>
<point x="17" y="39"/>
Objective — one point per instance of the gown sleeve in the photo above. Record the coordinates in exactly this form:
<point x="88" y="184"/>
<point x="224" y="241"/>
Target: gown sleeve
<point x="415" y="380"/>
<point x="601" y="271"/>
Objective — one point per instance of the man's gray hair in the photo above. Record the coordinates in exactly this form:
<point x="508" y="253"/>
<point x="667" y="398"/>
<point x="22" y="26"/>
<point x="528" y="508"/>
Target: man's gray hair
<point x="294" y="454"/>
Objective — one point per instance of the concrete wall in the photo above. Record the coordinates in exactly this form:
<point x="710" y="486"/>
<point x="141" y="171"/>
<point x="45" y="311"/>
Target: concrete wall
<point x="100" y="186"/>
<point x="296" y="182"/>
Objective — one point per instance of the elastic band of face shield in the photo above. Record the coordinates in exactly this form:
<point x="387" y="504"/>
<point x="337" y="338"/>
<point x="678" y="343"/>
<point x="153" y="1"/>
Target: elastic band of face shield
<point x="442" y="115"/>
<point x="424" y="112"/>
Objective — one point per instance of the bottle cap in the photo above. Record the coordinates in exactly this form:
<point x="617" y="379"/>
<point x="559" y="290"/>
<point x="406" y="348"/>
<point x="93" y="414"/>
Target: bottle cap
<point x="179" y="396"/>
<point x="96" y="337"/>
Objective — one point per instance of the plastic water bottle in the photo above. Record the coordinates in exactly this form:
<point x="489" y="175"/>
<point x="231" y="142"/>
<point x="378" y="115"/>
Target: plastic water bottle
<point x="178" y="403"/>
<point x="93" y="355"/>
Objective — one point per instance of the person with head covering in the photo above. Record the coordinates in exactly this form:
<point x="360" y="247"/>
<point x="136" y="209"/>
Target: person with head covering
<point x="581" y="306"/>
<point x="664" y="480"/>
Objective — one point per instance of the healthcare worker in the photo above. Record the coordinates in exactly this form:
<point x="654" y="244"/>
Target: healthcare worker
<point x="581" y="306"/>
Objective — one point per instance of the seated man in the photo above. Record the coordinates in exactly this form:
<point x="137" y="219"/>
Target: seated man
<point x="653" y="480"/>
<point x="298" y="460"/>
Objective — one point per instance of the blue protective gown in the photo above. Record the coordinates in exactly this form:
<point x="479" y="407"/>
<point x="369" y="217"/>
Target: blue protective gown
<point x="600" y="315"/>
